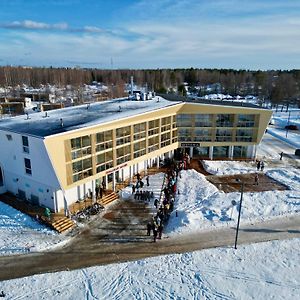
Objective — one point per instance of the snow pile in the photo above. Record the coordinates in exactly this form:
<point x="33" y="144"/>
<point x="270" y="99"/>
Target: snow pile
<point x="200" y="205"/>
<point x="259" y="271"/>
<point x="229" y="167"/>
<point x="20" y="233"/>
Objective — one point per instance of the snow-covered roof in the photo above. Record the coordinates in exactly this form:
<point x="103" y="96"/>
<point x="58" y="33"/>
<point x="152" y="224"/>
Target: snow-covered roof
<point x="82" y="116"/>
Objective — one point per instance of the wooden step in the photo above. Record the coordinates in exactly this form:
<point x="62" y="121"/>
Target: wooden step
<point x="109" y="198"/>
<point x="65" y="227"/>
<point x="63" y="224"/>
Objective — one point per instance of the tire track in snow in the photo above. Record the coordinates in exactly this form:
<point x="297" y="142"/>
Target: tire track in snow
<point x="246" y="277"/>
<point x="88" y="285"/>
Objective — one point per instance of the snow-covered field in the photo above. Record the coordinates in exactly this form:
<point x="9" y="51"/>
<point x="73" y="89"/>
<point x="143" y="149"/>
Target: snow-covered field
<point x="280" y="120"/>
<point x="200" y="205"/>
<point x="20" y="233"/>
<point x="259" y="271"/>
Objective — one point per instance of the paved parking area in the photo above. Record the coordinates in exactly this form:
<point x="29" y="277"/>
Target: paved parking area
<point x="232" y="183"/>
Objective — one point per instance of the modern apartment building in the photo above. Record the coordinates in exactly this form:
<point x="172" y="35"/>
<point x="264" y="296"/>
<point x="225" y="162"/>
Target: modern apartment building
<point x="58" y="157"/>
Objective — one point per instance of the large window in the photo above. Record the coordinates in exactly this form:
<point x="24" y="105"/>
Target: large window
<point x="123" y="135"/>
<point x="185" y="134"/>
<point x="81" y="142"/>
<point x="201" y="151"/>
<point x="244" y="135"/>
<point x="153" y="144"/>
<point x="175" y="136"/>
<point x="246" y="120"/>
<point x="221" y="151"/>
<point x="104" y="140"/>
<point x="104" y="161"/>
<point x="165" y="139"/>
<point x="223" y="120"/>
<point x="139" y="148"/>
<point x="240" y="152"/>
<point x="202" y="135"/>
<point x="153" y="127"/>
<point x="166" y="124"/>
<point x="223" y="135"/>
<point x="82" y="169"/>
<point x="81" y="146"/>
<point x="184" y="120"/>
<point x="202" y="120"/>
<point x="139" y="131"/>
<point x="27" y="163"/>
<point x="123" y="154"/>
<point x="25" y="144"/>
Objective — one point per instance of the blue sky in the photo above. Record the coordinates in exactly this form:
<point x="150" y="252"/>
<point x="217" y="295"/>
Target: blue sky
<point x="240" y="34"/>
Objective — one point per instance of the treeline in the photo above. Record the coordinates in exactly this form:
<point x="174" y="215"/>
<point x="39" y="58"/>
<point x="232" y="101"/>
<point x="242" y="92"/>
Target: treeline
<point x="277" y="85"/>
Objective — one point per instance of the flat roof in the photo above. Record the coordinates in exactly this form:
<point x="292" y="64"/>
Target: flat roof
<point x="235" y="103"/>
<point x="78" y="117"/>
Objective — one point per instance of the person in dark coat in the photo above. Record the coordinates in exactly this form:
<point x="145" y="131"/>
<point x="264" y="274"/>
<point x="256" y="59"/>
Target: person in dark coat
<point x="103" y="185"/>
<point x="137" y="195"/>
<point x="101" y="192"/>
<point x="156" y="203"/>
<point x="147" y="179"/>
<point x="256" y="180"/>
<point x="97" y="191"/>
<point x="258" y="165"/>
<point x="149" y="228"/>
<point x="160" y="230"/>
<point x="133" y="189"/>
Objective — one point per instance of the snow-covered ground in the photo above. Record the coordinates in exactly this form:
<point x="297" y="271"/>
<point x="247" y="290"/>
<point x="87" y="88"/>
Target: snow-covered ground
<point x="259" y="271"/>
<point x="200" y="205"/>
<point x="282" y="119"/>
<point x="20" y="233"/>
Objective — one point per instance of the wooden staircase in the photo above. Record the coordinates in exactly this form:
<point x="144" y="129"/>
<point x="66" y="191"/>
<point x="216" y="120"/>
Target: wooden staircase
<point x="109" y="198"/>
<point x="63" y="224"/>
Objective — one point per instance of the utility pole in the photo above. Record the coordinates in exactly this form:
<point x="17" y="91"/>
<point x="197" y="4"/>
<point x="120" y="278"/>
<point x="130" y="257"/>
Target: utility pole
<point x="239" y="217"/>
<point x="288" y="123"/>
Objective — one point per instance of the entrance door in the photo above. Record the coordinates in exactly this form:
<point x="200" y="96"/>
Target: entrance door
<point x="110" y="181"/>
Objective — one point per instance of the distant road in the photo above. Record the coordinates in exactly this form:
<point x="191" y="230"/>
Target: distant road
<point x="272" y="147"/>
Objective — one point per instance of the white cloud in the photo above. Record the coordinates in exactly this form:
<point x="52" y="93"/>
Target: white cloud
<point x="33" y="25"/>
<point x="29" y="24"/>
<point x="93" y="29"/>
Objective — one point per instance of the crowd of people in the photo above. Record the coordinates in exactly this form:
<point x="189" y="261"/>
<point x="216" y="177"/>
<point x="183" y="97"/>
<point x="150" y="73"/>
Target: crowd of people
<point x="165" y="205"/>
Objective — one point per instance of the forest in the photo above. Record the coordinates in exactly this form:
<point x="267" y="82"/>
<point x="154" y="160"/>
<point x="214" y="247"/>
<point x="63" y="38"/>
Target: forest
<point x="280" y="86"/>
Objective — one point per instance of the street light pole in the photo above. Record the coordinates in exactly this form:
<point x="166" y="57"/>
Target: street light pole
<point x="239" y="217"/>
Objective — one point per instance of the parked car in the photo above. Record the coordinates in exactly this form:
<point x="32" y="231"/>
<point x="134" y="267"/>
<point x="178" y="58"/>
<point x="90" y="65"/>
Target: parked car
<point x="297" y="152"/>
